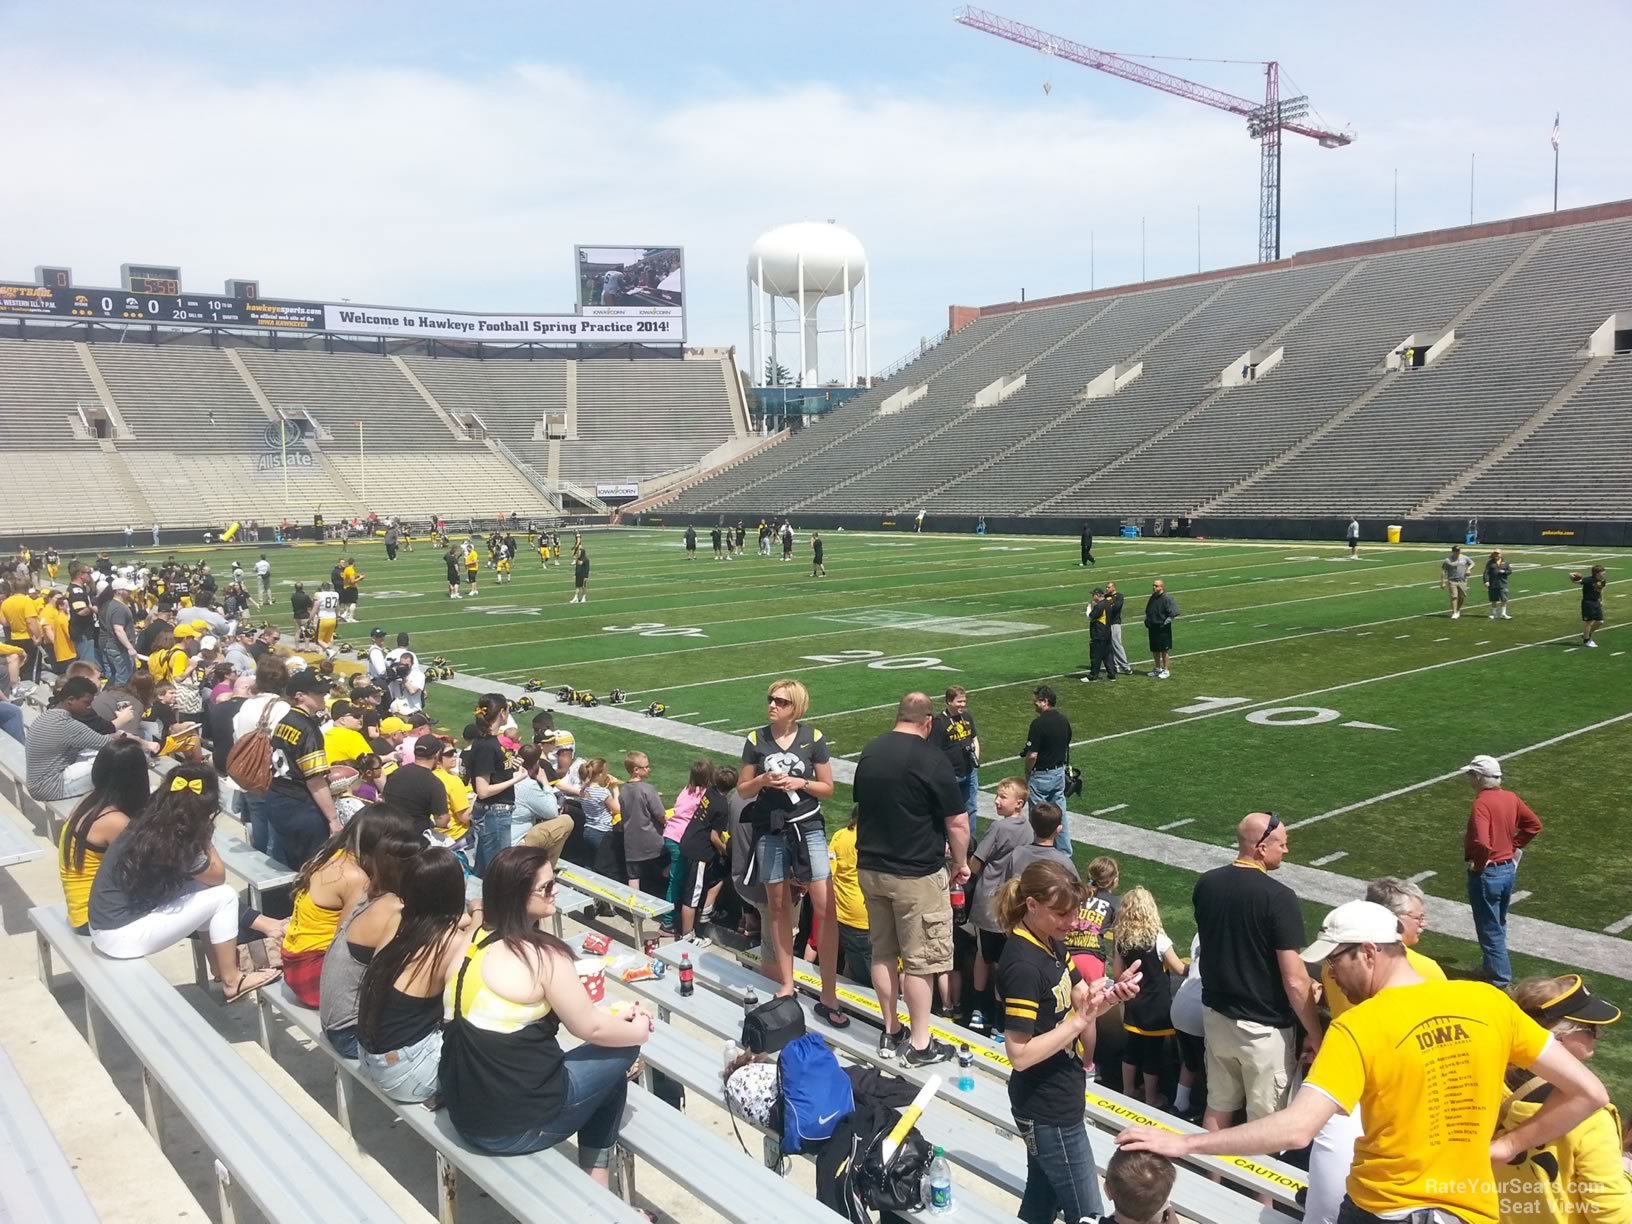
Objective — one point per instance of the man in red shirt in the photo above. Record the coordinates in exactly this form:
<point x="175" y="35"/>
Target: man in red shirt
<point x="1499" y="827"/>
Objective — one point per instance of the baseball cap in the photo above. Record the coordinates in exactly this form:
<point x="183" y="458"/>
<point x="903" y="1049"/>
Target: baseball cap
<point x="1577" y="1003"/>
<point x="565" y="739"/>
<point x="183" y="631"/>
<point x="209" y="641"/>
<point x="392" y="725"/>
<point x="1484" y="766"/>
<point x="402" y="707"/>
<point x="307" y="681"/>
<point x="341" y="709"/>
<point x="1354" y="922"/>
<point x="376" y="632"/>
<point x="123" y="584"/>
<point x="427" y="747"/>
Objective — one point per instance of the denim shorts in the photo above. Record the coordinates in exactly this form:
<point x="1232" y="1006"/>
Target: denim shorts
<point x="771" y="853"/>
<point x="409" y="1074"/>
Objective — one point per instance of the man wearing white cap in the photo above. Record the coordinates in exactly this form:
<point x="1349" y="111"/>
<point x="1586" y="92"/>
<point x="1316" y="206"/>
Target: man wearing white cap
<point x="1499" y="827"/>
<point x="1423" y="1062"/>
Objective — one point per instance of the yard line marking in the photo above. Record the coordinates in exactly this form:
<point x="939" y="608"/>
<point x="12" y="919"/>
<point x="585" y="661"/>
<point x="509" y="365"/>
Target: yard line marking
<point x="1420" y="877"/>
<point x="1399" y="637"/>
<point x="1367" y="633"/>
<point x="1329" y="858"/>
<point x="1455" y="773"/>
<point x="1116" y="807"/>
<point x="1485" y="642"/>
<point x="1571" y="649"/>
<point x="1442" y="639"/>
<point x="713" y="722"/>
<point x="1265" y="625"/>
<point x="1619" y="925"/>
<point x="1617" y="654"/>
<point x="1173" y="824"/>
<point x="687" y="714"/>
<point x="1518" y="896"/>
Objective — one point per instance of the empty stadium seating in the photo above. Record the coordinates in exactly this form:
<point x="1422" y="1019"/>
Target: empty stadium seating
<point x="1329" y="429"/>
<point x="41" y="383"/>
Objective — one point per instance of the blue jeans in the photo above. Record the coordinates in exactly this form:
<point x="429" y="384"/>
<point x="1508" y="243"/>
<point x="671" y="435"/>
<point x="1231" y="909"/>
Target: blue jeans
<point x="409" y="1074"/>
<point x="1489" y="892"/>
<point x="259" y="831"/>
<point x="771" y="855"/>
<point x="491" y="823"/>
<point x="1048" y="786"/>
<point x="1060" y="1173"/>
<point x="597" y="1086"/>
<point x="343" y="1040"/>
<point x="298" y="828"/>
<point x="118" y="666"/>
<point x="969" y="784"/>
<point x="85" y="648"/>
<point x="11" y="720"/>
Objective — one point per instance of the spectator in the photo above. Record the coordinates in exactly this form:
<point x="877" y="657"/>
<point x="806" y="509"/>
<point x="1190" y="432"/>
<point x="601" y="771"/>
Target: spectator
<point x="343" y="740"/>
<point x="57" y="744"/>
<point x="1188" y="1030"/>
<point x="685" y="807"/>
<point x="1047" y="752"/>
<point x="298" y="807"/>
<point x="911" y="816"/>
<point x="1500" y="826"/>
<point x="11" y="720"/>
<point x="785" y="776"/>
<point x="989" y="867"/>
<point x="599" y="797"/>
<point x="115" y="641"/>
<point x="855" y="943"/>
<point x="702" y="849"/>
<point x="82" y="613"/>
<point x="1091" y="935"/>
<point x="461" y="799"/>
<point x="399" y="1006"/>
<point x="415" y="790"/>
<point x="119" y="791"/>
<point x="954" y="734"/>
<point x="539" y="817"/>
<point x="239" y="653"/>
<point x="21" y="613"/>
<point x="261" y="713"/>
<point x="1332" y="1153"/>
<point x="365" y="928"/>
<point x="1424" y="1065"/>
<point x="1578" y="1176"/>
<point x="1256" y="987"/>
<point x="1161" y="610"/>
<point x="508" y="1087"/>
<point x="330" y="883"/>
<point x="1048" y="1015"/>
<point x="493" y="778"/>
<point x="1138" y="1184"/>
<point x="645" y="856"/>
<point x="161" y="880"/>
<point x="1143" y="946"/>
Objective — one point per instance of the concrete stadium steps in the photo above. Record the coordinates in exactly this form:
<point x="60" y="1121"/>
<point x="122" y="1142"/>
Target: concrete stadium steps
<point x="41" y="381"/>
<point x="180" y="397"/>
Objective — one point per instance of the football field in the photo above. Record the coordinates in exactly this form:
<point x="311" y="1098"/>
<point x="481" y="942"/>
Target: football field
<point x="1335" y="693"/>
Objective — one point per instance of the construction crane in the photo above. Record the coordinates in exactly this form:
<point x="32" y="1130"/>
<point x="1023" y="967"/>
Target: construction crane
<point x="1265" y="121"/>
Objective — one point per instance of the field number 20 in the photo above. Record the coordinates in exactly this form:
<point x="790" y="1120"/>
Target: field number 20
<point x="880" y="663"/>
<point x="655" y="629"/>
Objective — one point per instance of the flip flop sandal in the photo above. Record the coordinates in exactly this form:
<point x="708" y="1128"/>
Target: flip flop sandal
<point x="833" y="1016"/>
<point x="251" y="982"/>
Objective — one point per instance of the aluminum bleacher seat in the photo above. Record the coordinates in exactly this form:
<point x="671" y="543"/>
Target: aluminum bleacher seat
<point x="41" y="381"/>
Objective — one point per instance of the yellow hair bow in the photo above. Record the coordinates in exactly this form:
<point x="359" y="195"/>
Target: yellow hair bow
<point x="196" y="785"/>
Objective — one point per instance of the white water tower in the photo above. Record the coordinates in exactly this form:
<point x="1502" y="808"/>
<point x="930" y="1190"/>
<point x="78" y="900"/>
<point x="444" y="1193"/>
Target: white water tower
<point x="805" y="263"/>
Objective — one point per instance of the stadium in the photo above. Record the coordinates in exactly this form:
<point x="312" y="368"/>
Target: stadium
<point x="303" y="595"/>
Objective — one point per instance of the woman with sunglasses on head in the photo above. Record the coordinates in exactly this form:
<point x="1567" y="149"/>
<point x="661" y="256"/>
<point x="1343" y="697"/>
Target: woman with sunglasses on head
<point x="784" y="778"/>
<point x="399" y="1007"/>
<point x="1578" y="1177"/>
<point x="119" y="791"/>
<point x="161" y="880"/>
<point x="507" y="1084"/>
<point x="1048" y="1034"/>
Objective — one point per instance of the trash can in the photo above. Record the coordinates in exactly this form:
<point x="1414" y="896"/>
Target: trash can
<point x="1393" y="533"/>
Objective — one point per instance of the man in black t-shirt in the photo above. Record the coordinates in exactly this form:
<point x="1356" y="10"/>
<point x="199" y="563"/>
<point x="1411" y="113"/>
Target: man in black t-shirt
<point x="82" y="613"/>
<point x="910" y="816"/>
<point x="714" y="537"/>
<point x="953" y="732"/>
<point x="817" y="569"/>
<point x="298" y="805"/>
<point x="580" y="575"/>
<point x="415" y="790"/>
<point x="691" y="543"/>
<point x="300" y="606"/>
<point x="1048" y="748"/>
<point x="1256" y="987"/>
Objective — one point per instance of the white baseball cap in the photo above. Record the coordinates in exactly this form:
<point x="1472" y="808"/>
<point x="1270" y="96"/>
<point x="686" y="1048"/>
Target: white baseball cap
<point x="1354" y="922"/>
<point x="209" y="641"/>
<point x="1484" y="766"/>
<point x="123" y="584"/>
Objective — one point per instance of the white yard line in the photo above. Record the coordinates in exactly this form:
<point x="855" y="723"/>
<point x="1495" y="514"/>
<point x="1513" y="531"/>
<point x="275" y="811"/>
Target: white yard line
<point x="1420" y="877"/>
<point x="1115" y="807"/>
<point x="1455" y="773"/>
<point x="712" y="722"/>
<point x="1174" y="824"/>
<point x="1619" y="925"/>
<point x="1329" y="858"/>
<point x="1518" y="896"/>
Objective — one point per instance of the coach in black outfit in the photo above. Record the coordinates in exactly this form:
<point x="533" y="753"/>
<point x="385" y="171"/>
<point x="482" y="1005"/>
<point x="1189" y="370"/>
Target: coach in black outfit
<point x="1088" y="545"/>
<point x="910" y="814"/>
<point x="1160" y="612"/>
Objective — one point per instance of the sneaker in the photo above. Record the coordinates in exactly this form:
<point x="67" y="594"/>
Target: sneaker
<point x="1154" y="674"/>
<point x="1506" y="615"/>
<point x="1456" y="616"/>
<point x="455" y="595"/>
<point x="1591" y="645"/>
<point x="1087" y="679"/>
<point x="936" y="1051"/>
<point x="1164" y="674"/>
<point x="891" y="1044"/>
<point x="977" y="1020"/>
<point x="1494" y="616"/>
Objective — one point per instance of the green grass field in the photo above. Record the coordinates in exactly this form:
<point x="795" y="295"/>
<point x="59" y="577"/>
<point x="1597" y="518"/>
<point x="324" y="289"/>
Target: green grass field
<point x="1337" y="693"/>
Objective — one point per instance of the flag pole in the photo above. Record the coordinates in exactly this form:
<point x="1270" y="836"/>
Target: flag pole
<point x="1555" y="160"/>
<point x="361" y="466"/>
<point x="283" y="446"/>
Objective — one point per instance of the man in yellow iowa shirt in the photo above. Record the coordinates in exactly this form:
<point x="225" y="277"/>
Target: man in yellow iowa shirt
<point x="21" y="613"/>
<point x="1424" y="1064"/>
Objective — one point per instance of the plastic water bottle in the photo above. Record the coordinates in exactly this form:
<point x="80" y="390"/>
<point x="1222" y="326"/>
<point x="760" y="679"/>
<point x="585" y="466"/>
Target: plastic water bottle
<point x="688" y="976"/>
<point x="940" y="1185"/>
<point x="750" y="1000"/>
<point x="966" y="1068"/>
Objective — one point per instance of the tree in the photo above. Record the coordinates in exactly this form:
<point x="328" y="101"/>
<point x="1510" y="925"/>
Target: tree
<point x="776" y="374"/>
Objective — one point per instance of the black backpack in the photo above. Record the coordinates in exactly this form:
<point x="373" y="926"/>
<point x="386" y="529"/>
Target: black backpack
<point x="772" y="1025"/>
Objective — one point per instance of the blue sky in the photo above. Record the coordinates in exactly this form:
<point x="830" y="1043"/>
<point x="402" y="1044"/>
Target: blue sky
<point x="450" y="155"/>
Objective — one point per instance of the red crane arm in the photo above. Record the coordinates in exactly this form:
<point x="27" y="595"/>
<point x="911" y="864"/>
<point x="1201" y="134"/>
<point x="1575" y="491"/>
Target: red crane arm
<point x="1127" y="69"/>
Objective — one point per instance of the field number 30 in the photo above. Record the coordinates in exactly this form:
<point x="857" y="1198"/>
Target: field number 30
<point x="880" y="663"/>
<point x="655" y="629"/>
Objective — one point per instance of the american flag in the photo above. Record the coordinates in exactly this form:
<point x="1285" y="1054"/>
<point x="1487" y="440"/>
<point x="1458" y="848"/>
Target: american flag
<point x="1555" y="131"/>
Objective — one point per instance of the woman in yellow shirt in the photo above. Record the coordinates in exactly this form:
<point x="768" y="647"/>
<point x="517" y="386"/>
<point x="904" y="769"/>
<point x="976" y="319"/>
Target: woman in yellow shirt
<point x="332" y="881"/>
<point x="460" y="797"/>
<point x="119" y="791"/>
<point x="1578" y="1178"/>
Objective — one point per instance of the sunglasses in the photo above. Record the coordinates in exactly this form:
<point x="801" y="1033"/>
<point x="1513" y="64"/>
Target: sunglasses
<point x="779" y="701"/>
<point x="548" y="890"/>
<point x="1274" y="823"/>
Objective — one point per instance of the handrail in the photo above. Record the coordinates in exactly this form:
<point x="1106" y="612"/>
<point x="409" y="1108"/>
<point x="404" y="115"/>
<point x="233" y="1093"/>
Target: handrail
<point x="902" y="362"/>
<point x="528" y="473"/>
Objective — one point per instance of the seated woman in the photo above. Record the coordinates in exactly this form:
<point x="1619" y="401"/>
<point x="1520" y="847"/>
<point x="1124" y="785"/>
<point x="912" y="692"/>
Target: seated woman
<point x="119" y="791"/>
<point x="161" y="880"/>
<point x="366" y="927"/>
<point x="399" y="1011"/>
<point x="508" y="1087"/>
<point x="332" y="881"/>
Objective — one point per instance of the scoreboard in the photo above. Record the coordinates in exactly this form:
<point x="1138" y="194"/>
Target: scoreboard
<point x="131" y="306"/>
